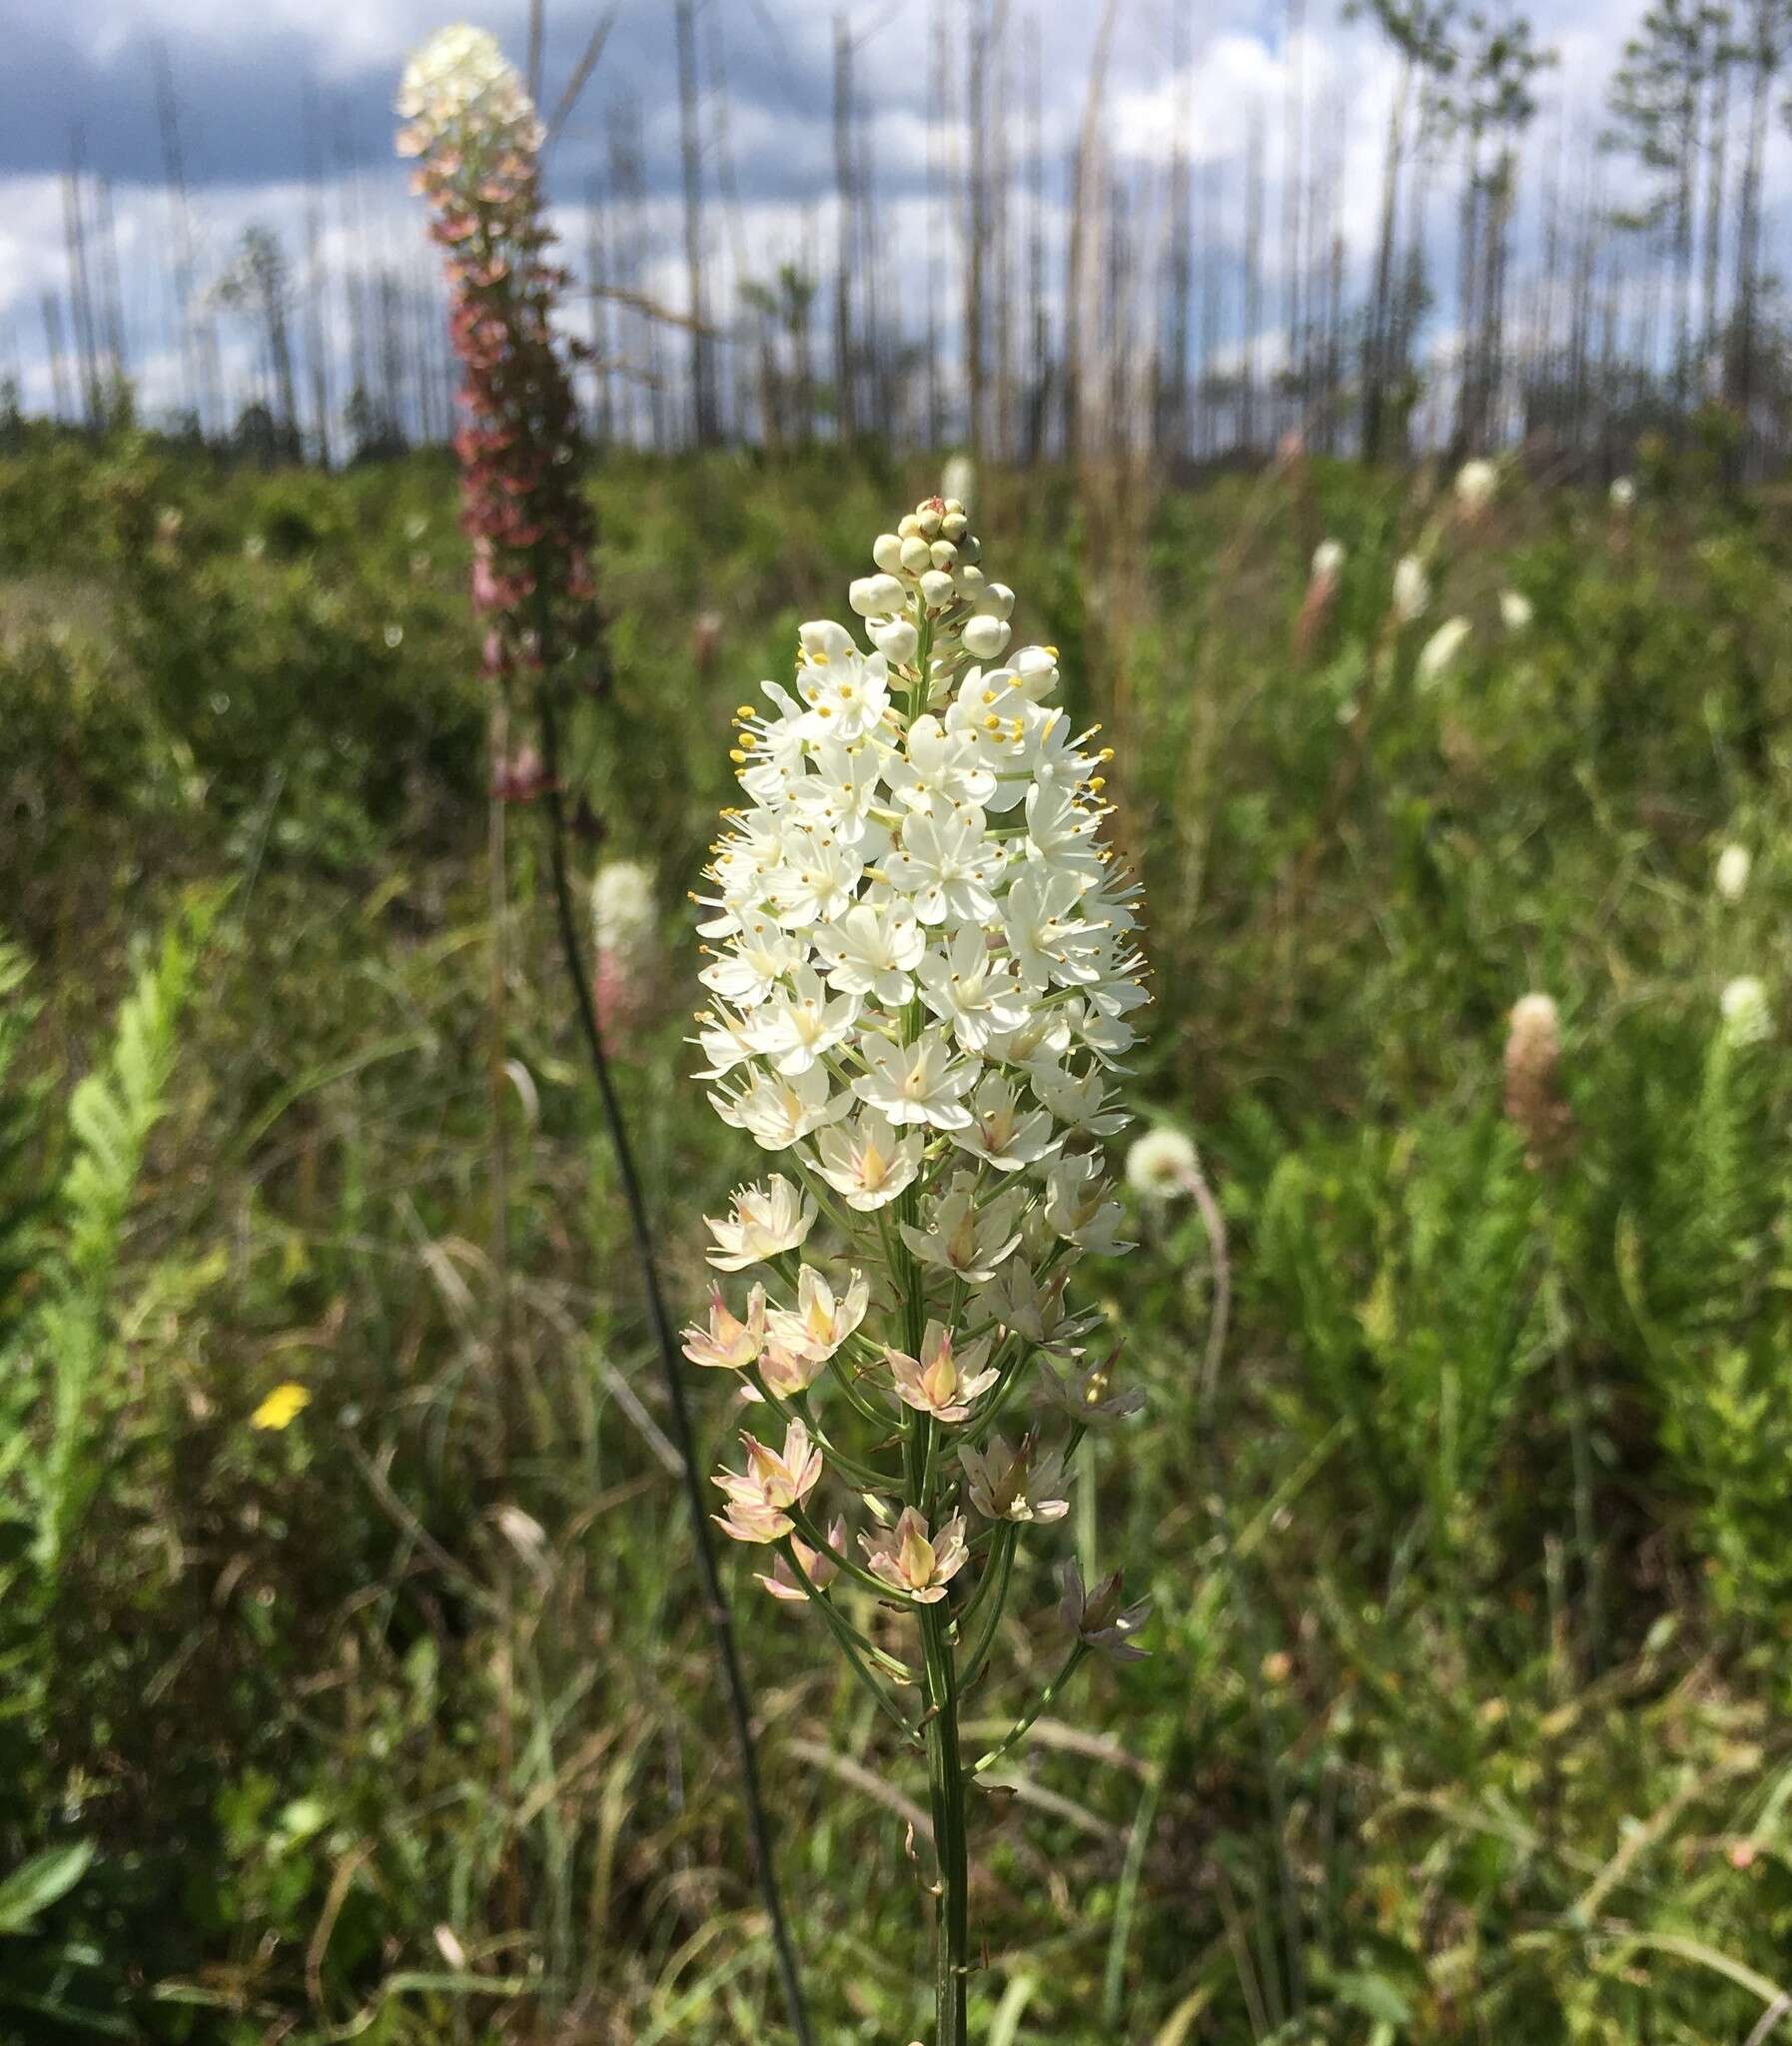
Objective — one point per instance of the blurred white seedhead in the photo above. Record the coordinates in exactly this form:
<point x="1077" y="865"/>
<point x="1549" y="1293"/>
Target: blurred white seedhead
<point x="1161" y="1165"/>
<point x="1411" y="589"/>
<point x="1622" y="494"/>
<point x="958" y="480"/>
<point x="1747" y="1018"/>
<point x="1476" y="482"/>
<point x="1440" y="651"/>
<point x="1515" y="610"/>
<point x="1734" y="864"/>
<point x="461" y="92"/>
<point x="1327" y="560"/>
<point x="1534" y="1100"/>
<point x="622" y="912"/>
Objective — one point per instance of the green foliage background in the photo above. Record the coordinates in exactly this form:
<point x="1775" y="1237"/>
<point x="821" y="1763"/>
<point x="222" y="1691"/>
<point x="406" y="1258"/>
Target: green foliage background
<point x="398" y="1723"/>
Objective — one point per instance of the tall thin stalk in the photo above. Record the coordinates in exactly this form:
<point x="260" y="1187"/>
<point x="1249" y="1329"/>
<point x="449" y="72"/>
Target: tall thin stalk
<point x="715" y="1604"/>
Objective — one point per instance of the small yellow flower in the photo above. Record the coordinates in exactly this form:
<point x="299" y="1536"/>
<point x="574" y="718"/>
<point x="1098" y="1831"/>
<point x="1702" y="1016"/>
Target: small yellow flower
<point x="280" y="1408"/>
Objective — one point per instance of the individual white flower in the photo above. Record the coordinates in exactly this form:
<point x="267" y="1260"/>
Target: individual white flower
<point x="1476" y="482"/>
<point x="1161" y="1164"/>
<point x="1327" y="560"/>
<point x="765" y="1221"/>
<point x="910" y="1562"/>
<point x="921" y="1082"/>
<point x="947" y="866"/>
<point x="867" y="1161"/>
<point x="1000" y="1133"/>
<point x="820" y="1322"/>
<point x="846" y="691"/>
<point x="759" y="955"/>
<point x="873" y="950"/>
<point x="1411" y="589"/>
<point x="1077" y="1100"/>
<point x="1439" y="654"/>
<point x="1515" y="610"/>
<point x="1734" y="864"/>
<point x="1747" y="1018"/>
<point x="943" y="1380"/>
<point x="1078" y="1209"/>
<point x="938" y="771"/>
<point x="798" y="1025"/>
<point x="776" y="1110"/>
<point x="973" y="989"/>
<point x="964" y="1239"/>
<point x="1623" y="492"/>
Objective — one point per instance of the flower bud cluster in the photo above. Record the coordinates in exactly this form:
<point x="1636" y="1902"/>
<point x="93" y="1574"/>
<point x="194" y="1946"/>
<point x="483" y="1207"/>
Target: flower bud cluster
<point x="475" y="133"/>
<point x="923" y="972"/>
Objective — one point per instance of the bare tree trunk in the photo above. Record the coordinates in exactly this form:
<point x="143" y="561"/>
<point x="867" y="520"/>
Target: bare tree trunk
<point x="845" y="344"/>
<point x="1172" y="417"/>
<point x="60" y="395"/>
<point x="317" y="282"/>
<point x="112" y="292"/>
<point x="1764" y="58"/>
<point x="1253" y="286"/>
<point x="1291" y="173"/>
<point x="1380" y="311"/>
<point x="81" y="292"/>
<point x="1083" y="200"/>
<point x="975" y="216"/>
<point x="702" y="361"/>
<point x="1718" y="165"/>
<point x="1039" y="369"/>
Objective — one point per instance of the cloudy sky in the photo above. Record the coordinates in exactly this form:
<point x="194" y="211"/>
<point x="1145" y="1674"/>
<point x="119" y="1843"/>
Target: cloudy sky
<point x="81" y="80"/>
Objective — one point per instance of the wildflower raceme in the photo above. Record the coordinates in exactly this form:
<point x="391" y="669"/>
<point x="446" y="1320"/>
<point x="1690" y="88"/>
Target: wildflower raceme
<point x="923" y="975"/>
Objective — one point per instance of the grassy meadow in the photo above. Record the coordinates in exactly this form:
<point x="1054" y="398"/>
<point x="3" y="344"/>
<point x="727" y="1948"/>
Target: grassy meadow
<point x="1465" y="1716"/>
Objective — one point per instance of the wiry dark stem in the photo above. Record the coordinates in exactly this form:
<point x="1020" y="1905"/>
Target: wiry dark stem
<point x="714" y="1600"/>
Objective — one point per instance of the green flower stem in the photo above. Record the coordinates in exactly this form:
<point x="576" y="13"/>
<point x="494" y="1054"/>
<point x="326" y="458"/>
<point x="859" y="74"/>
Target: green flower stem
<point x="850" y="1639"/>
<point x="1021" y="1726"/>
<point x="945" y="1777"/>
<point x="996" y="1574"/>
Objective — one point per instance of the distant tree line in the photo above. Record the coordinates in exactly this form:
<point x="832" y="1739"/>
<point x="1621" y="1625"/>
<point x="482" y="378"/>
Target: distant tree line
<point x="1032" y="301"/>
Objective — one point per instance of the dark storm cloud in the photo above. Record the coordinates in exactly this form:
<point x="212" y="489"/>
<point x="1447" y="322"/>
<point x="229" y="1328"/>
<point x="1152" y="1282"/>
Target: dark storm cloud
<point x="242" y="101"/>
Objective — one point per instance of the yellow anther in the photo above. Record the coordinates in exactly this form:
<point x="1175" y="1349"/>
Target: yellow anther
<point x="744" y="711"/>
<point x="736" y="755"/>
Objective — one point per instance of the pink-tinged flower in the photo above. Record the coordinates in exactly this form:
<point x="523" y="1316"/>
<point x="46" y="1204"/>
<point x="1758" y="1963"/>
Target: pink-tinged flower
<point x="1097" y="1618"/>
<point x="819" y="1566"/>
<point x="819" y="1322"/>
<point x="790" y="1372"/>
<point x="910" y="1562"/>
<point x="520" y="778"/>
<point x="942" y="1382"/>
<point x="728" y="1344"/>
<point x="773" y="1481"/>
